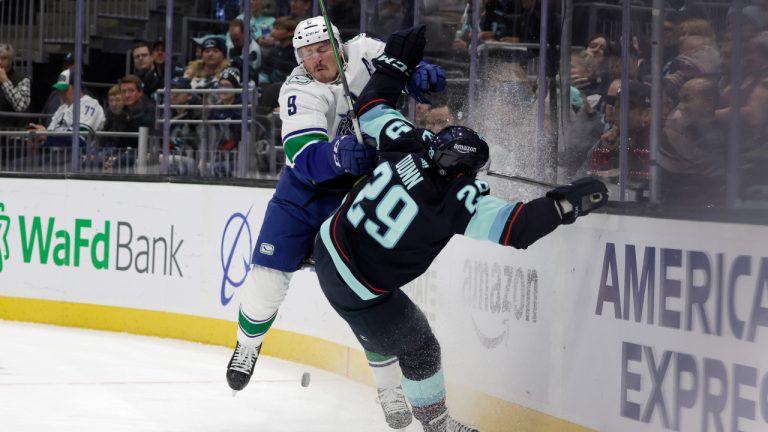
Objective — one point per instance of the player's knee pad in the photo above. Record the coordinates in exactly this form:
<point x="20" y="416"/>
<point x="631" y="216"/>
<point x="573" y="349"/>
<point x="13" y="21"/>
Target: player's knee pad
<point x="422" y="362"/>
<point x="264" y="292"/>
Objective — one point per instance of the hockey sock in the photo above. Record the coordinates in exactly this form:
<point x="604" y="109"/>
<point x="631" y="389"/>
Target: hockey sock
<point x="386" y="370"/>
<point x="423" y="382"/>
<point x="250" y="332"/>
<point x="427" y="397"/>
<point x="260" y="297"/>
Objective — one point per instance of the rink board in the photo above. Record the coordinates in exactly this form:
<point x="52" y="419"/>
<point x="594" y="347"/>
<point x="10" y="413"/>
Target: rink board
<point x="613" y="323"/>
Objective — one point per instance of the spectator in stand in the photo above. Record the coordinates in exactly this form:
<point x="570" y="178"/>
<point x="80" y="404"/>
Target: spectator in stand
<point x="185" y="138"/>
<point x="598" y="46"/>
<point x="158" y="57"/>
<point x="91" y="115"/>
<point x="116" y="118"/>
<point x="613" y="65"/>
<point x="54" y="100"/>
<point x="610" y="113"/>
<point x="586" y="77"/>
<point x="755" y="71"/>
<point x="14" y="89"/>
<point x="198" y="47"/>
<point x="158" y="54"/>
<point x="115" y="115"/>
<point x="756" y="148"/>
<point x="144" y="68"/>
<point x="205" y="73"/>
<point x="226" y="137"/>
<point x="235" y="41"/>
<point x="695" y="27"/>
<point x="698" y="58"/>
<point x="584" y="129"/>
<point x="439" y="117"/>
<point x="138" y="112"/>
<point x="604" y="161"/>
<point x="755" y="20"/>
<point x="691" y="157"/>
<point x="496" y="23"/>
<point x="598" y="50"/>
<point x="279" y="59"/>
<point x="261" y="26"/>
<point x="641" y="47"/>
<point x="301" y="9"/>
<point x="421" y="115"/>
<point x="670" y="37"/>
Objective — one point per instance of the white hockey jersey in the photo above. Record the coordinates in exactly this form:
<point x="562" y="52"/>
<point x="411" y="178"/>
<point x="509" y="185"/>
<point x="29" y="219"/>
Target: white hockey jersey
<point x="91" y="118"/>
<point x="312" y="111"/>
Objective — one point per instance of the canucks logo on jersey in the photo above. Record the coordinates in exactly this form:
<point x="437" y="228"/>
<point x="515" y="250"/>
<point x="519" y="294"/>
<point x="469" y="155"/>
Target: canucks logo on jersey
<point x="346" y="127"/>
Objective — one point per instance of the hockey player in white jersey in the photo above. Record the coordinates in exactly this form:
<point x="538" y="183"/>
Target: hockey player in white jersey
<point x="323" y="161"/>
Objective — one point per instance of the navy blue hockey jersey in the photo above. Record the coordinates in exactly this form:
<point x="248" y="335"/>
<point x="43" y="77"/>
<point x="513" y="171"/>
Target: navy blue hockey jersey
<point x="391" y="226"/>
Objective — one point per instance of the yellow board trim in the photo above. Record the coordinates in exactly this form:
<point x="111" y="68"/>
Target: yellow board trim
<point x="488" y="413"/>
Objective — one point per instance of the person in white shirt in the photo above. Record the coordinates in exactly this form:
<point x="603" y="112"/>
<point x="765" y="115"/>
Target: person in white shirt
<point x="91" y="115"/>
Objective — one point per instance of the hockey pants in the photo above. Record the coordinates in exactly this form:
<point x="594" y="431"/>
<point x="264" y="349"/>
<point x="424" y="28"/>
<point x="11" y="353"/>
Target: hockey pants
<point x="391" y="325"/>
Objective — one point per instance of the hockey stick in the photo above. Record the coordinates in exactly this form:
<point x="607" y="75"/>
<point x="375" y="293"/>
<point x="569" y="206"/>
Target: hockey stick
<point x="347" y="94"/>
<point x="521" y="179"/>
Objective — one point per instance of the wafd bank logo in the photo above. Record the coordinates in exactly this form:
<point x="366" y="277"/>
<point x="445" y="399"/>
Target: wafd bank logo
<point x="495" y="295"/>
<point x="5" y="224"/>
<point x="236" y="249"/>
<point x="101" y="245"/>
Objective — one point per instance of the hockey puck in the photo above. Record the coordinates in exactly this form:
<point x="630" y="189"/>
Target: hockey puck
<point x="305" y="377"/>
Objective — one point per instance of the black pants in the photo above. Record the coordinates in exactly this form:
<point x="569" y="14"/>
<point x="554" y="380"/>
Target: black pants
<point x="390" y="324"/>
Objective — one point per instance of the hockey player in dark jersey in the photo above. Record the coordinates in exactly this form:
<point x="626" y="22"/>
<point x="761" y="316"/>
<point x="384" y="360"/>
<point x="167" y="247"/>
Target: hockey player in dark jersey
<point x="390" y="228"/>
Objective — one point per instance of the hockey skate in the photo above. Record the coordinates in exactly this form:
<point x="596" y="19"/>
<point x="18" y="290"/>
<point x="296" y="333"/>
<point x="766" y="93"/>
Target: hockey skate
<point x="396" y="410"/>
<point x="446" y="423"/>
<point x="240" y="367"/>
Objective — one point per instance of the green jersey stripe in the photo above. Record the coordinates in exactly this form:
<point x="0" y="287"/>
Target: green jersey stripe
<point x="293" y="145"/>
<point x="375" y="358"/>
<point x="253" y="329"/>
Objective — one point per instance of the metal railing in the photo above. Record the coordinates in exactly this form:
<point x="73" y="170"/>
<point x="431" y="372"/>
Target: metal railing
<point x="18" y="27"/>
<point x="25" y="151"/>
<point x="263" y="141"/>
<point x="123" y="9"/>
<point x="58" y="21"/>
<point x="30" y="117"/>
<point x="28" y="151"/>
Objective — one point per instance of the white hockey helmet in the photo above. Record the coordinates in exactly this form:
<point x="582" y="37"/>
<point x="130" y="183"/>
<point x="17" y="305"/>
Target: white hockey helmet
<point x="311" y="31"/>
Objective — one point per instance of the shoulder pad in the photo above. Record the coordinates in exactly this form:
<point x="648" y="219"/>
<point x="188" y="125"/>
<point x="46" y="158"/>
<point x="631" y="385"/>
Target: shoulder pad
<point x="358" y="37"/>
<point x="299" y="79"/>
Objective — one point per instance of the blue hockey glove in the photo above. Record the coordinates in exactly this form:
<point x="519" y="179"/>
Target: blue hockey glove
<point x="426" y="78"/>
<point x="349" y="156"/>
<point x="402" y="53"/>
<point x="579" y="198"/>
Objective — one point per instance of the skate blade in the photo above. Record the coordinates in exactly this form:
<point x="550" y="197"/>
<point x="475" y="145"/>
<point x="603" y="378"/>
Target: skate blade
<point x="234" y="393"/>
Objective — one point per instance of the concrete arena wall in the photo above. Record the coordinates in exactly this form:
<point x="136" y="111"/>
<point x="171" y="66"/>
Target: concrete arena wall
<point x="614" y="323"/>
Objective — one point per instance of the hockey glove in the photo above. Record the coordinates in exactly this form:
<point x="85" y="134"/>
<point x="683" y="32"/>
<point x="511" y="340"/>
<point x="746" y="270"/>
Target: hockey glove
<point x="402" y="53"/>
<point x="349" y="156"/>
<point x="579" y="198"/>
<point x="426" y="78"/>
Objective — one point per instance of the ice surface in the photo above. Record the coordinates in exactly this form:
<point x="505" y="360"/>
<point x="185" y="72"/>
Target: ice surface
<point x="66" y="380"/>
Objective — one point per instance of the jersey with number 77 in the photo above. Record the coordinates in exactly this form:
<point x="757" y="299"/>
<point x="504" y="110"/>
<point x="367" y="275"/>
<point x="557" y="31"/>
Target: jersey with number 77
<point x="391" y="227"/>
